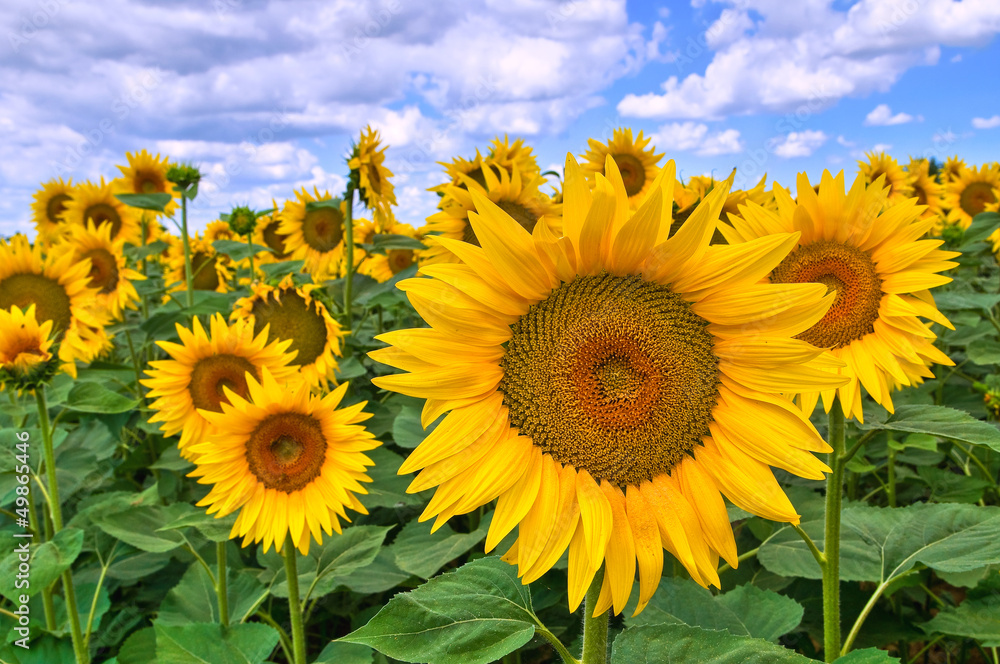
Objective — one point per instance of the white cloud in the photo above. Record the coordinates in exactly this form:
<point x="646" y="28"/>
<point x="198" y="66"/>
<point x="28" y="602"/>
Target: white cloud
<point x="881" y="147"/>
<point x="881" y="116"/>
<point x="694" y="137"/>
<point x="805" y="56"/>
<point x="986" y="123"/>
<point x="846" y="143"/>
<point x="798" y="143"/>
<point x="956" y="58"/>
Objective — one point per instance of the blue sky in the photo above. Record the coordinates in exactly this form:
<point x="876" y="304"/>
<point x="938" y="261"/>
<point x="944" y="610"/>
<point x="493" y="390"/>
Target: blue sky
<point x="266" y="96"/>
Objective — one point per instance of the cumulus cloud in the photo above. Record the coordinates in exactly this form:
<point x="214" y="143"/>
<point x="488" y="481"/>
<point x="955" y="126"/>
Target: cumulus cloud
<point x="986" y="123"/>
<point x="798" y="143"/>
<point x="695" y="137"/>
<point x="881" y="116"/>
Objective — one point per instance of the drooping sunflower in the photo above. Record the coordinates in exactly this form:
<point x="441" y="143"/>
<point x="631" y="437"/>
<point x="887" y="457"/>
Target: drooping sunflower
<point x="290" y="462"/>
<point x="519" y="197"/>
<point x="900" y="182"/>
<point x="507" y="155"/>
<point x="192" y="382"/>
<point x="383" y="267"/>
<point x="637" y="165"/>
<point x="48" y="207"/>
<point x="604" y="387"/>
<point x="147" y="174"/>
<point x="211" y="270"/>
<point x="58" y="286"/>
<point x="109" y="273"/>
<point x="369" y="172"/>
<point x="24" y="347"/>
<point x="315" y="233"/>
<point x="96" y="204"/>
<point x="927" y="190"/>
<point x="872" y="260"/>
<point x="970" y="192"/>
<point x="292" y="313"/>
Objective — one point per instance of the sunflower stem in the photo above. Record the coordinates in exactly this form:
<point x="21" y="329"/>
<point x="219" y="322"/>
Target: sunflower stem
<point x="831" y="540"/>
<point x="595" y="629"/>
<point x="221" y="588"/>
<point x="348" y="255"/>
<point x="294" y="605"/>
<point x="55" y="510"/>
<point x="185" y="240"/>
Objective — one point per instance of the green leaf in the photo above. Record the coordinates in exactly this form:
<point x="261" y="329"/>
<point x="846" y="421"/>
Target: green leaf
<point x="140" y="526"/>
<point x="420" y="553"/>
<point x="866" y="656"/>
<point x="984" y="352"/>
<point x="942" y="422"/>
<point x="674" y="644"/>
<point x="388" y="489"/>
<point x="349" y="367"/>
<point x="337" y="652"/>
<point x="966" y="301"/>
<point x="249" y="643"/>
<point x="212" y="528"/>
<point x="381" y="575"/>
<point x="48" y="560"/>
<point x="983" y="225"/>
<point x="474" y="615"/>
<point x="280" y="269"/>
<point x="151" y="249"/>
<point x="326" y="203"/>
<point x="42" y="649"/>
<point x="974" y="618"/>
<point x="743" y="611"/>
<point x="194" y="599"/>
<point x="406" y="429"/>
<point x="950" y="487"/>
<point x="155" y="202"/>
<point x="237" y="250"/>
<point x="138" y="647"/>
<point x="95" y="398"/>
<point x="388" y="242"/>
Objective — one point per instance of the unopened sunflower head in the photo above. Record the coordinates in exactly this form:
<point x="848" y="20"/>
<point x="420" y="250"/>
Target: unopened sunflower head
<point x="610" y="385"/>
<point x="26" y="360"/>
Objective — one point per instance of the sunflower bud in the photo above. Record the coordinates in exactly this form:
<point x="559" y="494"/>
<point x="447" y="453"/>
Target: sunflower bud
<point x="242" y="220"/>
<point x="185" y="176"/>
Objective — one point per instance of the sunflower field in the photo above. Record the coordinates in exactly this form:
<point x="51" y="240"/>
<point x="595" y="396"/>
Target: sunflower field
<point x="603" y="415"/>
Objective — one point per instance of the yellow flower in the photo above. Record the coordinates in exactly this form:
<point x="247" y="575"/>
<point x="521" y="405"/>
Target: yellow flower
<point x="872" y="260"/>
<point x="50" y="203"/>
<point x="604" y="385"/>
<point x="970" y="192"/>
<point x="96" y="204"/>
<point x="315" y="233"/>
<point x="108" y="271"/>
<point x="638" y="166"/>
<point x="372" y="177"/>
<point x="24" y="345"/>
<point x="383" y="267"/>
<point x="211" y="270"/>
<point x="288" y="460"/>
<point x="953" y="166"/>
<point x="900" y="182"/>
<point x="927" y="190"/>
<point x="146" y="174"/>
<point x="192" y="382"/>
<point x="507" y="155"/>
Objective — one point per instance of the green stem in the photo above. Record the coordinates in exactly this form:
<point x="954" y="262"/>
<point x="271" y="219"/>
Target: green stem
<point x="185" y="240"/>
<point x="930" y="644"/>
<point x="856" y="628"/>
<point x="813" y="549"/>
<point x="749" y="554"/>
<point x="55" y="510"/>
<point x="47" y="605"/>
<point x="145" y="262"/>
<point x="294" y="605"/>
<point x="285" y="642"/>
<point x="567" y="658"/>
<point x="348" y="255"/>
<point x="221" y="586"/>
<point x="890" y="487"/>
<point x="97" y="595"/>
<point x="831" y="539"/>
<point x="595" y="630"/>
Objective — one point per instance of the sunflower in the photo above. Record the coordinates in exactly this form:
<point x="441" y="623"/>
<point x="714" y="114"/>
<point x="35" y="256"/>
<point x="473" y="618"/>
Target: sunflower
<point x="900" y="182"/>
<point x="953" y="167"/>
<point x="266" y="234"/>
<point x="218" y="230"/>
<point x="383" y="267"/>
<point x="927" y="190"/>
<point x="58" y="286"/>
<point x="191" y="383"/>
<point x="108" y="271"/>
<point x="604" y="386"/>
<point x="96" y="203"/>
<point x="292" y="313"/>
<point x="638" y="166"/>
<point x="146" y="174"/>
<point x="50" y="203"/>
<point x="315" y="233"/>
<point x="871" y="259"/>
<point x="507" y="155"/>
<point x="369" y="173"/>
<point x="211" y="270"/>
<point x="517" y="196"/>
<point x="970" y="192"/>
<point x="288" y="460"/>
<point x="458" y="167"/>
<point x="24" y="347"/>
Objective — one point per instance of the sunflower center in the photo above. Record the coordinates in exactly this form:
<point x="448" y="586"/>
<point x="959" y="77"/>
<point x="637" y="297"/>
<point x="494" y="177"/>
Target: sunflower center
<point x="921" y="194"/>
<point x="103" y="213"/>
<point x="49" y="297"/>
<point x="615" y="375"/>
<point x="286" y="451"/>
<point x="633" y="172"/>
<point x="203" y="267"/>
<point x="148" y="183"/>
<point x="55" y="207"/>
<point x="21" y="344"/>
<point x="399" y="259"/>
<point x="323" y="228"/>
<point x="291" y="318"/>
<point x="275" y="240"/>
<point x="846" y="270"/>
<point x="211" y="374"/>
<point x="976" y="197"/>
<point x="103" y="270"/>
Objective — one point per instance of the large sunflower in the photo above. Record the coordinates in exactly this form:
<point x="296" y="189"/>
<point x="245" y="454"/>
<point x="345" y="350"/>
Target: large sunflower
<point x="369" y="172"/>
<point x="315" y="234"/>
<point x="292" y="313"/>
<point x="518" y="196"/>
<point x="191" y="383"/>
<point x="58" y="286"/>
<point x="970" y="192"/>
<point x="605" y="387"/>
<point x="146" y="174"/>
<point x="638" y="166"/>
<point x="48" y="207"/>
<point x="900" y="182"/>
<point x="24" y="345"/>
<point x="96" y="204"/>
<point x="288" y="460"/>
<point x="873" y="261"/>
<point x="108" y="271"/>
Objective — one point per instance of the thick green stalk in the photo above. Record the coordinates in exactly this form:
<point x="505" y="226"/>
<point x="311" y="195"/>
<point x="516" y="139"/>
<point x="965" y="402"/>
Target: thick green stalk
<point x="595" y="630"/>
<point x="221" y="587"/>
<point x="55" y="510"/>
<point x="831" y="541"/>
<point x="294" y="605"/>
<point x="185" y="240"/>
<point x="348" y="255"/>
